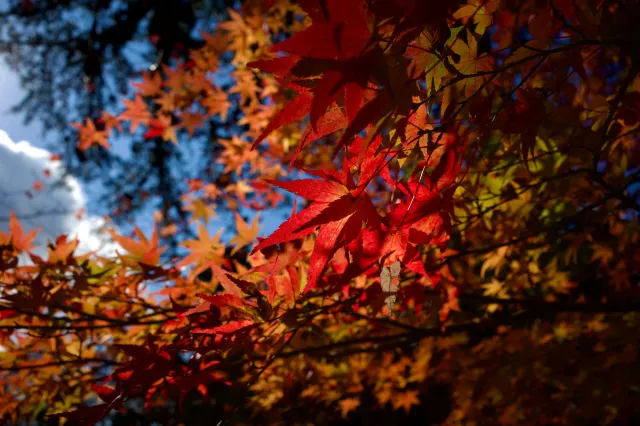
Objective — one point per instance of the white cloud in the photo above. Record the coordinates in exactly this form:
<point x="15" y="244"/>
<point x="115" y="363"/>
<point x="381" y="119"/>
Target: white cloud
<point x="57" y="207"/>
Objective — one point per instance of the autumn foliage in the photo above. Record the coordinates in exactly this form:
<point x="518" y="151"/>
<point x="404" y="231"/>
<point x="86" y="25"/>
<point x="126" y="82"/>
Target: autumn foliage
<point x="463" y="248"/>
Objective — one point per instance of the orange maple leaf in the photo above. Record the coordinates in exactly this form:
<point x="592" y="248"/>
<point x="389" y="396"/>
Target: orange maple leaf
<point x="347" y="405"/>
<point x="62" y="250"/>
<point x="203" y="250"/>
<point x="151" y="84"/>
<point x="142" y="251"/>
<point x="136" y="112"/>
<point x="191" y="120"/>
<point x="162" y="127"/>
<point x="110" y="121"/>
<point x="167" y="101"/>
<point x="246" y="234"/>
<point x="175" y="78"/>
<point x="16" y="235"/>
<point x="89" y="135"/>
<point x="405" y="400"/>
<point x="169" y="230"/>
<point x="216" y="102"/>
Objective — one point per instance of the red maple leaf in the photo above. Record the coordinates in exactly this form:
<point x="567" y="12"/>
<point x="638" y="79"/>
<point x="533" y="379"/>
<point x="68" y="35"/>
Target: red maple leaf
<point x="228" y="328"/>
<point x="298" y="108"/>
<point x="339" y="208"/>
<point x="339" y="29"/>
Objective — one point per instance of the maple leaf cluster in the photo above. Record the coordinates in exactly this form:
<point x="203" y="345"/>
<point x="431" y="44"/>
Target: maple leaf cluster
<point x="468" y="180"/>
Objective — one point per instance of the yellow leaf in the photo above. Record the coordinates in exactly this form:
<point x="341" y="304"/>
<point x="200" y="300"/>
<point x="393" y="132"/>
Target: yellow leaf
<point x="475" y="11"/>
<point x="562" y="332"/>
<point x="495" y="261"/>
<point x="200" y="210"/>
<point x="246" y="234"/>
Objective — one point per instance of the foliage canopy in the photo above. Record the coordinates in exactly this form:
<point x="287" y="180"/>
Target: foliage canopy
<point x="465" y="250"/>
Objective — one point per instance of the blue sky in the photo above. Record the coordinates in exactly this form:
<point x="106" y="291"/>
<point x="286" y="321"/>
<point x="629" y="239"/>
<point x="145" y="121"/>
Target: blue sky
<point x="10" y="94"/>
<point x="23" y="161"/>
